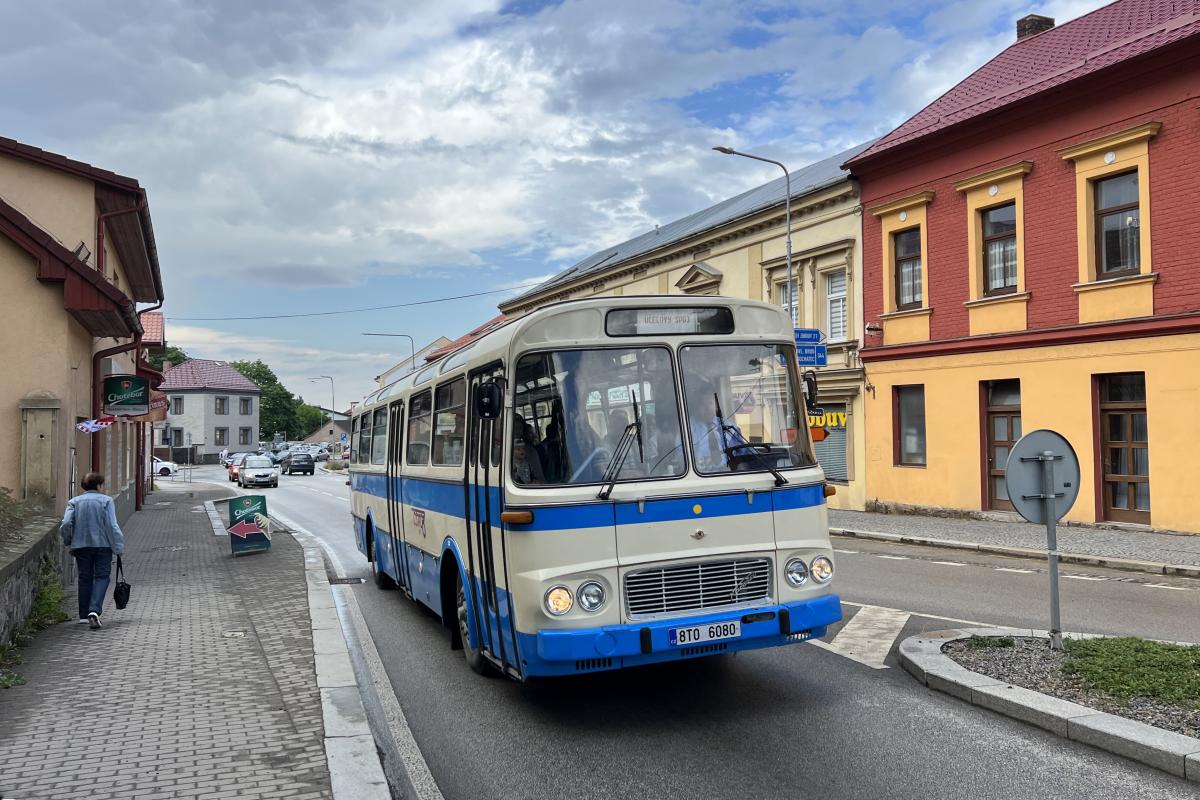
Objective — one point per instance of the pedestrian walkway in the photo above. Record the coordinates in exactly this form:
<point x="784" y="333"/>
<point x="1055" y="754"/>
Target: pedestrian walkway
<point x="1169" y="548"/>
<point x="203" y="687"/>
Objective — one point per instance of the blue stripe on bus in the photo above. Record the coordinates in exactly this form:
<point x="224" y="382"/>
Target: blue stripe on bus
<point x="447" y="498"/>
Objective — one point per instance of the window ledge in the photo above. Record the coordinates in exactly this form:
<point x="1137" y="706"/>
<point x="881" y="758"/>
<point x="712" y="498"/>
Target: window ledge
<point x="1014" y="297"/>
<point x="1124" y="280"/>
<point x="924" y="311"/>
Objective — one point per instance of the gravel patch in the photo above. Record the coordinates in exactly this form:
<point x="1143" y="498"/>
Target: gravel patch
<point x="1031" y="664"/>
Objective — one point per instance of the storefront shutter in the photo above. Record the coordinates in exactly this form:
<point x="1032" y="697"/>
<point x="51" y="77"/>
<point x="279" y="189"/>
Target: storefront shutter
<point x="831" y="453"/>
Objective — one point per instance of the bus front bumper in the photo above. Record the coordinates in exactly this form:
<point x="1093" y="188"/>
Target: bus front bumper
<point x="567" y="652"/>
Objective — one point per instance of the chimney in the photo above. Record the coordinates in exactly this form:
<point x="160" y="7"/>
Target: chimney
<point x="1030" y="24"/>
<point x="166" y="365"/>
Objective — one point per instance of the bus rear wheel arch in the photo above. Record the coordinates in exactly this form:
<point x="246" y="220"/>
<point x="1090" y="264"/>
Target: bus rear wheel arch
<point x="382" y="579"/>
<point x="455" y="611"/>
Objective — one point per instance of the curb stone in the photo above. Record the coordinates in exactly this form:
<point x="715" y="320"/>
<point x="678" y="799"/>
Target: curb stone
<point x="1127" y="564"/>
<point x="922" y="657"/>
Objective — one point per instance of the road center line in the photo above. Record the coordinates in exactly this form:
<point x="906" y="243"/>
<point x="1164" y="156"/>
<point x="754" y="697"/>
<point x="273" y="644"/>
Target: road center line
<point x="949" y="563"/>
<point x="1166" y="586"/>
<point x="1084" y="578"/>
<point x="1011" y="569"/>
<point x="895" y="558"/>
<point x="849" y="552"/>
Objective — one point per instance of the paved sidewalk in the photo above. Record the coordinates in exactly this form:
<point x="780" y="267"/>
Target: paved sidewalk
<point x="1169" y="548"/>
<point x="203" y="687"/>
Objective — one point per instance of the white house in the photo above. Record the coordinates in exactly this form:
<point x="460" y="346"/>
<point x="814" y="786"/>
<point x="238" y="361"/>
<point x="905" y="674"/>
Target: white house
<point x="213" y="404"/>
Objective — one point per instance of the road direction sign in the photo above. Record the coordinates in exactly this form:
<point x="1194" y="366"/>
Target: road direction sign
<point x="808" y="335"/>
<point x="1042" y="476"/>
<point x="812" y="355"/>
<point x="249" y="526"/>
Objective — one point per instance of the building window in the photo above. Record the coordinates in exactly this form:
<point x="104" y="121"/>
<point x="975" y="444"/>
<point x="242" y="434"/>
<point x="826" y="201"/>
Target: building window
<point x="1000" y="249"/>
<point x="1118" y="225"/>
<point x="177" y="437"/>
<point x="782" y="293"/>
<point x="835" y="305"/>
<point x="909" y="416"/>
<point x="176" y="405"/>
<point x="221" y="436"/>
<point x="245" y="435"/>
<point x="419" y="412"/>
<point x="166" y="437"/>
<point x="451" y="423"/>
<point x="222" y="405"/>
<point x="907" y="247"/>
<point x="245" y="406"/>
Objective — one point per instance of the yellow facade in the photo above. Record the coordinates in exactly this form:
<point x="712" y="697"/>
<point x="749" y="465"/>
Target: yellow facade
<point x="1056" y="393"/>
<point x="746" y="259"/>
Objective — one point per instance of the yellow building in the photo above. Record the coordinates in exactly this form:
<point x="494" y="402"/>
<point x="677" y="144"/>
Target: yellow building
<point x="76" y="254"/>
<point x="737" y="249"/>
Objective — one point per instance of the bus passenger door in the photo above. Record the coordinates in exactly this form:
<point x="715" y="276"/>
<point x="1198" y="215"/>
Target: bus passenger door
<point x="395" y="515"/>
<point x="486" y="550"/>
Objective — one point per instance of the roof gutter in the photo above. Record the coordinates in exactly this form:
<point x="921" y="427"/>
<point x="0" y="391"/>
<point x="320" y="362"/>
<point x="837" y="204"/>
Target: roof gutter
<point x="101" y="257"/>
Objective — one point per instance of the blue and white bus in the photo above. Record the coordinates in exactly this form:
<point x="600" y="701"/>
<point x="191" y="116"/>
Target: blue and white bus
<point x="603" y="484"/>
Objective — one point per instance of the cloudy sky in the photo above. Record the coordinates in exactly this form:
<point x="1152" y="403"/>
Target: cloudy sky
<point x="313" y="155"/>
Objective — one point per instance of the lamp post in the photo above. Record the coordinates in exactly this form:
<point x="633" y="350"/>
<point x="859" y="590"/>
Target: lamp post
<point x="793" y="303"/>
<point x="412" y="344"/>
<point x="332" y="396"/>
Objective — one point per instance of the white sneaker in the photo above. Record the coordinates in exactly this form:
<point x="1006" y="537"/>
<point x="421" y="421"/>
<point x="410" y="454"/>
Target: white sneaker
<point x="82" y="621"/>
<point x="94" y="621"/>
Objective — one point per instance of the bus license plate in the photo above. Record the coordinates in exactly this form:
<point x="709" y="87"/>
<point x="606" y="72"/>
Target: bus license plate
<point x="705" y="633"/>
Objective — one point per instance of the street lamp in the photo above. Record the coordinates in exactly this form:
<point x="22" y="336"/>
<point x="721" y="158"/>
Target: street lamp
<point x="792" y="300"/>
<point x="332" y="396"/>
<point x="411" y="344"/>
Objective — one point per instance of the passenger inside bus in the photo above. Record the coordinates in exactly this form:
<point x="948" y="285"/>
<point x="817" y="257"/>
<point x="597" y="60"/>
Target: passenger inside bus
<point x="527" y="465"/>
<point x="715" y="432"/>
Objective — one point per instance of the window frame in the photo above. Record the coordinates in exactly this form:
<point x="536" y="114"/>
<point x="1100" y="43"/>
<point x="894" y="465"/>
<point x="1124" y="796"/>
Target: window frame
<point x="248" y="438"/>
<point x="844" y="297"/>
<point x="414" y="402"/>
<point x="898" y="453"/>
<point x="448" y="385"/>
<point x="177" y="404"/>
<point x="379" y="424"/>
<point x="221" y="405"/>
<point x="897" y="275"/>
<point x="1099" y="214"/>
<point x="221" y="437"/>
<point x="985" y="240"/>
<point x="245" y="406"/>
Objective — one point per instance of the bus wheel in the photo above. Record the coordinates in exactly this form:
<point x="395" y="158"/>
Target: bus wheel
<point x="382" y="579"/>
<point x="475" y="658"/>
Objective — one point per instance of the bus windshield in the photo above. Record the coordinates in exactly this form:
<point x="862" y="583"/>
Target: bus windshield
<point x="572" y="407"/>
<point x="742" y="408"/>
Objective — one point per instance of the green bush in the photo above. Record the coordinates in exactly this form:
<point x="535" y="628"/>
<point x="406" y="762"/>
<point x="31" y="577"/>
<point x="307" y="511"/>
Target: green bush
<point x="335" y="465"/>
<point x="1127" y="667"/>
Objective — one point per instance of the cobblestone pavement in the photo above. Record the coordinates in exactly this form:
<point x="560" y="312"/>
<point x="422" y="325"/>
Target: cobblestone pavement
<point x="203" y="687"/>
<point x="1171" y="548"/>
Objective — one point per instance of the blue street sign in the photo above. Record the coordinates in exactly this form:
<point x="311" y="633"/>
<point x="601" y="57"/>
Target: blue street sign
<point x="808" y="336"/>
<point x="345" y="437"/>
<point x="812" y="355"/>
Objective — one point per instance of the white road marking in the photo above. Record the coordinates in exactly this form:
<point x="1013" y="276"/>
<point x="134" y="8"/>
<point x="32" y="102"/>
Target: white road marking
<point x="1167" y="586"/>
<point x="1084" y="578"/>
<point x="1011" y="569"/>
<point x="895" y="558"/>
<point x="972" y="622"/>
<point x="868" y="636"/>
<point x="949" y="563"/>
<point x="851" y="552"/>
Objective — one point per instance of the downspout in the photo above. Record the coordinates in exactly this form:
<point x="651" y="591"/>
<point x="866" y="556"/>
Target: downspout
<point x="139" y="490"/>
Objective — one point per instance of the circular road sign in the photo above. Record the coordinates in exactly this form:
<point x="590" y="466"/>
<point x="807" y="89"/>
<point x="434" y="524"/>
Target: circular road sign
<point x="1024" y="477"/>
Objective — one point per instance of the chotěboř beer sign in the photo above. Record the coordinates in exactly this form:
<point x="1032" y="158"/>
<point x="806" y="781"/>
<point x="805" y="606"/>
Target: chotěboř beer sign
<point x="126" y="396"/>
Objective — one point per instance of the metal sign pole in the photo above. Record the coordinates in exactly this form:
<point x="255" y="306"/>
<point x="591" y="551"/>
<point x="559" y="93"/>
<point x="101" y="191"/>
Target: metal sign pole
<point x="1048" y="497"/>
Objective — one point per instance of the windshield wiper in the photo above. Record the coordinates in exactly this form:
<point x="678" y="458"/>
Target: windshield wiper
<point x="727" y="428"/>
<point x="632" y="431"/>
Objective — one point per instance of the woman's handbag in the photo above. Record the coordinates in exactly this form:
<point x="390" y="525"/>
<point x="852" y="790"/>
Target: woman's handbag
<point x="121" y="590"/>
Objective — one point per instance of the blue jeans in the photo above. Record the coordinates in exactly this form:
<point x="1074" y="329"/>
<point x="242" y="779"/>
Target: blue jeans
<point x="94" y="565"/>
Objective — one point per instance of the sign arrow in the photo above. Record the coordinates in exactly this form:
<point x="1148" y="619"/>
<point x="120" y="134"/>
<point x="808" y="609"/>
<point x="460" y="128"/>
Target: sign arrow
<point x="244" y="528"/>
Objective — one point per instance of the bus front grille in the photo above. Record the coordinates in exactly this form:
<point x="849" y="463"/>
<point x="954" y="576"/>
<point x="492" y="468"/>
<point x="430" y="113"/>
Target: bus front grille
<point x="706" y="585"/>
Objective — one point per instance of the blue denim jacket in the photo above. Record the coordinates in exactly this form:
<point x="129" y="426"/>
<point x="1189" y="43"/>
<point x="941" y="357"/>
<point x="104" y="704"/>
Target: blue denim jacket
<point x="91" y="521"/>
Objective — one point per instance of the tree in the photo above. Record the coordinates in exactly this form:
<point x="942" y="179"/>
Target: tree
<point x="310" y="418"/>
<point x="276" y="405"/>
<point x="169" y="353"/>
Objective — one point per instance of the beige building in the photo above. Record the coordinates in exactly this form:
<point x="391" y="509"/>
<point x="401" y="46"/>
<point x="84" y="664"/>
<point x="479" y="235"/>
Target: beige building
<point x="737" y="249"/>
<point x="77" y="253"/>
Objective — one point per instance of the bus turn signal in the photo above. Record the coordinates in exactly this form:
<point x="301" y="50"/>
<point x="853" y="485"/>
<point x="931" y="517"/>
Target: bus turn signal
<point x="516" y="517"/>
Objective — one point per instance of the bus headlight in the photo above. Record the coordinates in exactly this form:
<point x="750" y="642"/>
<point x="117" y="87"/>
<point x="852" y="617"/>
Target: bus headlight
<point x="796" y="572"/>
<point x="822" y="569"/>
<point x="591" y="596"/>
<point x="559" y="600"/>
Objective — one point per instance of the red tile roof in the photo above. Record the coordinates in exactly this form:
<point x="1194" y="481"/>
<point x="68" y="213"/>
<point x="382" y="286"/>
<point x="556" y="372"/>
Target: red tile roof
<point x="1104" y="38"/>
<point x="199" y="373"/>
<point x="152" y="324"/>
<point x="467" y="338"/>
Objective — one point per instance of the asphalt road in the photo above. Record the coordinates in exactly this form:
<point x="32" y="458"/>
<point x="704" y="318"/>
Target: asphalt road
<point x="798" y="721"/>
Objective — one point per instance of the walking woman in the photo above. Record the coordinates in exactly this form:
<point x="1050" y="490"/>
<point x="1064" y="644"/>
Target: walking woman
<point x="90" y="530"/>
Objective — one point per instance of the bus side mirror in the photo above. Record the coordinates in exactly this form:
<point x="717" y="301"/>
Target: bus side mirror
<point x="489" y="400"/>
<point x="810" y="391"/>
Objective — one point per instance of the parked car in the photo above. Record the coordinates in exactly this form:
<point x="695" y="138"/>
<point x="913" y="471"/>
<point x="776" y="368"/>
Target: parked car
<point x="258" y="471"/>
<point x="297" y="461"/>
<point x="321" y="454"/>
<point x="235" y="465"/>
<point x="164" y="468"/>
<point x="345" y="453"/>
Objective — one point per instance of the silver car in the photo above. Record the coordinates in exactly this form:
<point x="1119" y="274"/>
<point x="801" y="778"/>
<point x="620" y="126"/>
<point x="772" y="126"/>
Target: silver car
<point x="258" y="471"/>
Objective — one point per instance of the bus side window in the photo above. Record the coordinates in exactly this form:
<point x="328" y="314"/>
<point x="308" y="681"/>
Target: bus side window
<point x="354" y="440"/>
<point x="364" y="439"/>
<point x="379" y="437"/>
<point x="419" y="428"/>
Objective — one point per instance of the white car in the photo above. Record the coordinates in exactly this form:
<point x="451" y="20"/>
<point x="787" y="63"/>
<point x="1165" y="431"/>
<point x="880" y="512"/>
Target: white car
<point x="164" y="468"/>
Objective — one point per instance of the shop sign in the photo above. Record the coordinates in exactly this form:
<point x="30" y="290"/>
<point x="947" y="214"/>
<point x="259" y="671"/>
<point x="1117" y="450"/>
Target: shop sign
<point x="126" y="395"/>
<point x="249" y="526"/>
<point x="827" y="419"/>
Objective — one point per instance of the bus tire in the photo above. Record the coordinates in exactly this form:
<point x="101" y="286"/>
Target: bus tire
<point x="382" y="579"/>
<point x="475" y="658"/>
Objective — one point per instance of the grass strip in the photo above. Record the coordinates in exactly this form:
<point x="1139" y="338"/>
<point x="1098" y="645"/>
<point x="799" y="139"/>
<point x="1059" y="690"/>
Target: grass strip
<point x="1127" y="667"/>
